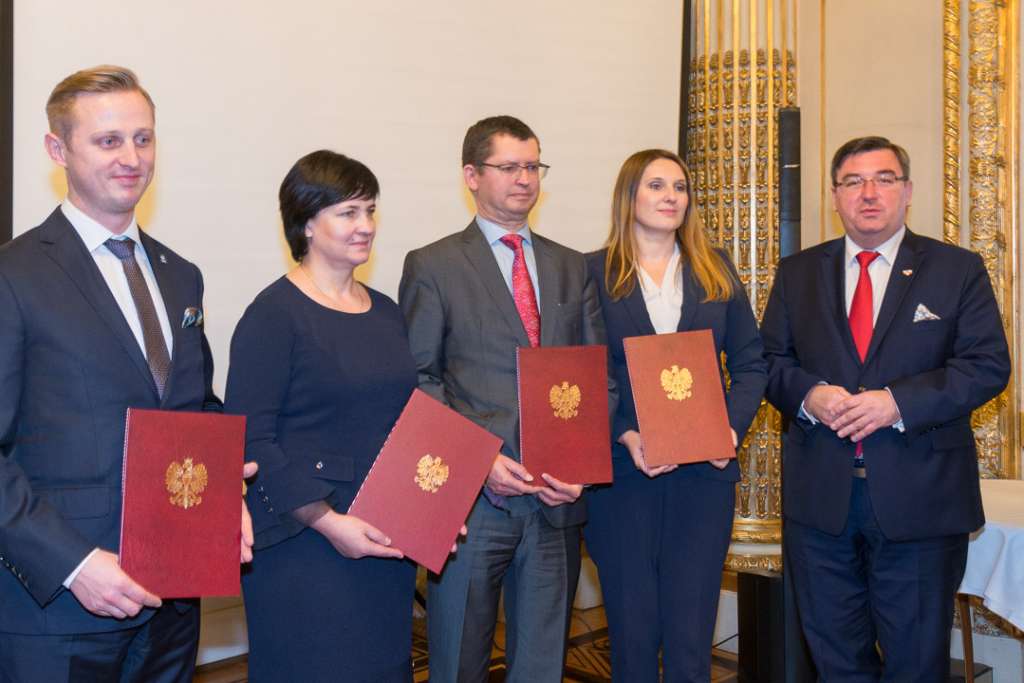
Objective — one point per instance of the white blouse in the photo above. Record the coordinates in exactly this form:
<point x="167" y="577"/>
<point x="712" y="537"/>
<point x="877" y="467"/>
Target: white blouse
<point x="664" y="301"/>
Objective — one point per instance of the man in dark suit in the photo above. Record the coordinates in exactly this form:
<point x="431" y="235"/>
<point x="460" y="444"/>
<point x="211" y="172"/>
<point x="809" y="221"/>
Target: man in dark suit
<point x="470" y="300"/>
<point x="880" y="345"/>
<point x="98" y="317"/>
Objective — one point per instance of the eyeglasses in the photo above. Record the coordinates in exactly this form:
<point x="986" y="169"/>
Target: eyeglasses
<point x="883" y="181"/>
<point x="512" y="170"/>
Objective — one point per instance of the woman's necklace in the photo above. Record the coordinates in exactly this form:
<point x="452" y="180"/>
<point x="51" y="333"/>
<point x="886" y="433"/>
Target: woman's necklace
<point x="334" y="300"/>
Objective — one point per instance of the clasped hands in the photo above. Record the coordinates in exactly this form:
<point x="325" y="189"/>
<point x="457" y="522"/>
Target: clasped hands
<point x="853" y="416"/>
<point x="633" y="442"/>
<point x="510" y="478"/>
<point x="106" y="590"/>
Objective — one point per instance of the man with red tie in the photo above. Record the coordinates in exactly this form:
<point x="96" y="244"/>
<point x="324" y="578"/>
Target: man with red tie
<point x="470" y="299"/>
<point x="880" y="345"/>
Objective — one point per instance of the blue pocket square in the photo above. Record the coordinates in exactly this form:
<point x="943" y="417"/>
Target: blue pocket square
<point x="193" y="317"/>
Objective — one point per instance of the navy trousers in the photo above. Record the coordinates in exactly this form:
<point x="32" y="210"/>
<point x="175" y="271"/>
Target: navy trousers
<point x="860" y="587"/>
<point x="659" y="546"/>
<point x="163" y="650"/>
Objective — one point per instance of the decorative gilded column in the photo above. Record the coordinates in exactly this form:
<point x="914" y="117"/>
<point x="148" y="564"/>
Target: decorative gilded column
<point x="743" y="72"/>
<point x="987" y="186"/>
<point x="992" y="186"/>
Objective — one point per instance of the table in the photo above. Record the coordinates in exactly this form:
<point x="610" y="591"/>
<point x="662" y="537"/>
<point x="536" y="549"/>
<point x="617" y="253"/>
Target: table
<point x="995" y="561"/>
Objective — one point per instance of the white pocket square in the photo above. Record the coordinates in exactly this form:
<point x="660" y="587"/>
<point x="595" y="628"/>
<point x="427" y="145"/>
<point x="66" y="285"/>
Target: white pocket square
<point x="922" y="313"/>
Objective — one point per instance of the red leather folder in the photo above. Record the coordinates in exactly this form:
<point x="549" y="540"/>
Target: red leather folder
<point x="181" y="502"/>
<point x="425" y="479"/>
<point x="678" y="394"/>
<point x="563" y="413"/>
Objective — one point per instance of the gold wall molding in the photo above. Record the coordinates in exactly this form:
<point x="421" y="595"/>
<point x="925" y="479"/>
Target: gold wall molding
<point x="743" y="72"/>
<point x="951" y="121"/>
<point x="992" y="124"/>
<point x="992" y="169"/>
<point x="753" y="563"/>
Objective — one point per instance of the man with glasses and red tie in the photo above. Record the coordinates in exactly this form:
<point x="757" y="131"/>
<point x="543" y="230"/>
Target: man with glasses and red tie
<point x="470" y="299"/>
<point x="880" y="345"/>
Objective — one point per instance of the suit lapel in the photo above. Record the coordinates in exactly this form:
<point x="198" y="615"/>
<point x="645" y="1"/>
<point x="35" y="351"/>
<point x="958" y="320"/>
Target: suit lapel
<point x="693" y="294"/>
<point x="62" y="244"/>
<point x="637" y="309"/>
<point x="173" y="304"/>
<point x="908" y="257"/>
<point x="481" y="259"/>
<point x="833" y="279"/>
<point x="549" y="295"/>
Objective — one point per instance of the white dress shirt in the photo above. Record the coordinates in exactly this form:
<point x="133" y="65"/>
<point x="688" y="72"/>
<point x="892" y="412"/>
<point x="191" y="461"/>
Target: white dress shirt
<point x="879" y="271"/>
<point x="664" y="301"/>
<point x="94" y="235"/>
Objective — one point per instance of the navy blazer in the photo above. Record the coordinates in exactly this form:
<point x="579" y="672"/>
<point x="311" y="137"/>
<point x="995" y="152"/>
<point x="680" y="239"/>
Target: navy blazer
<point x="734" y="329"/>
<point x="70" y="368"/>
<point x="923" y="482"/>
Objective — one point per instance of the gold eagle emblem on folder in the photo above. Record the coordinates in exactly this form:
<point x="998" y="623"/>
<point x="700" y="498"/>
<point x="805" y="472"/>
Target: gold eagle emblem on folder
<point x="677" y="383"/>
<point x="185" y="481"/>
<point x="431" y="473"/>
<point x="565" y="400"/>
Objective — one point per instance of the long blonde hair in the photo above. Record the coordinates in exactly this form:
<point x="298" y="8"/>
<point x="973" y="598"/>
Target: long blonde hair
<point x="620" y="263"/>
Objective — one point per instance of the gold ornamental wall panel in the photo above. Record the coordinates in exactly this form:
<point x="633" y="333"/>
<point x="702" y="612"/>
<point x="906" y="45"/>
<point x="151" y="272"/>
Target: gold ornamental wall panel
<point x="981" y="184"/>
<point x="743" y="72"/>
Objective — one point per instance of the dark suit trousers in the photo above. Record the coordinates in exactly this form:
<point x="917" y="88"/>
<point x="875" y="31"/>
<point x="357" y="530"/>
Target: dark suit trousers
<point x="860" y="586"/>
<point x="659" y="545"/>
<point x="538" y="565"/>
<point x="162" y="650"/>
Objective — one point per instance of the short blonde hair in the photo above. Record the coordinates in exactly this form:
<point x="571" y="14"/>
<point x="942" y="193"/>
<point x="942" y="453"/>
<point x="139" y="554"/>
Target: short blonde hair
<point x="99" y="79"/>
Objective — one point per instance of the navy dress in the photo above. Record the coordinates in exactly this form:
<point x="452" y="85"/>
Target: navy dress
<point x="321" y="390"/>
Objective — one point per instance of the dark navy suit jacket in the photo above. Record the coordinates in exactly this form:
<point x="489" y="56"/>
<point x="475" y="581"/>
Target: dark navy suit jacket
<point x="923" y="482"/>
<point x="734" y="329"/>
<point x="70" y="367"/>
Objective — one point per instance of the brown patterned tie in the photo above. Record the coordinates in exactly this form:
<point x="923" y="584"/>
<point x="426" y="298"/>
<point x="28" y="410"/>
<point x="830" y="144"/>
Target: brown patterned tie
<point x="156" y="348"/>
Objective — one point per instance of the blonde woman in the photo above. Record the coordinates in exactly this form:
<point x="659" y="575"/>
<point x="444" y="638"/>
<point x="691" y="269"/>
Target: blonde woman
<point x="659" y="535"/>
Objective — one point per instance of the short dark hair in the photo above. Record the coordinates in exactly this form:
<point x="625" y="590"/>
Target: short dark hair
<point x="476" y="146"/>
<point x="869" y="144"/>
<point x="316" y="181"/>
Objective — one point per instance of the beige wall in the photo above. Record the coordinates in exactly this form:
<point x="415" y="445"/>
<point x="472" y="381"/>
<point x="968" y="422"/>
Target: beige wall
<point x="881" y="75"/>
<point x="245" y="88"/>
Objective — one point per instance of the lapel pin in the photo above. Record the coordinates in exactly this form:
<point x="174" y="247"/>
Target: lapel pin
<point x="908" y="272"/>
<point x="163" y="259"/>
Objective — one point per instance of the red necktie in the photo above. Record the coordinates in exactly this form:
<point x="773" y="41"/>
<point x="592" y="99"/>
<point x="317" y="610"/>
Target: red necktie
<point x="862" y="308"/>
<point x="861" y="321"/>
<point x="522" y="289"/>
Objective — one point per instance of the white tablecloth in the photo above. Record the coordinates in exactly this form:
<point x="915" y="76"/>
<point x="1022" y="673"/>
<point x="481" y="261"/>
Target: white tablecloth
<point x="995" y="556"/>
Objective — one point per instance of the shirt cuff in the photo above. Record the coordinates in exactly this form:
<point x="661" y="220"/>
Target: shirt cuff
<point x="804" y="415"/>
<point x="81" y="565"/>
<point x="898" y="424"/>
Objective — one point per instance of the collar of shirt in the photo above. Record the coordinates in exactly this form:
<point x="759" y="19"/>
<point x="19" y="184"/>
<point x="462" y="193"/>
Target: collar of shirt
<point x="886" y="250"/>
<point x="494" y="232"/>
<point x="671" y="281"/>
<point x="91" y="232"/>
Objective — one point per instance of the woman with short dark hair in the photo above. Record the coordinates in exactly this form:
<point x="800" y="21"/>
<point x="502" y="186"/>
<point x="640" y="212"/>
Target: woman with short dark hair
<point x="321" y="367"/>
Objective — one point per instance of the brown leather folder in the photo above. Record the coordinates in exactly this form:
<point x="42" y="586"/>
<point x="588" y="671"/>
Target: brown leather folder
<point x="680" y="405"/>
<point x="425" y="479"/>
<point x="563" y="413"/>
<point x="182" y="502"/>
